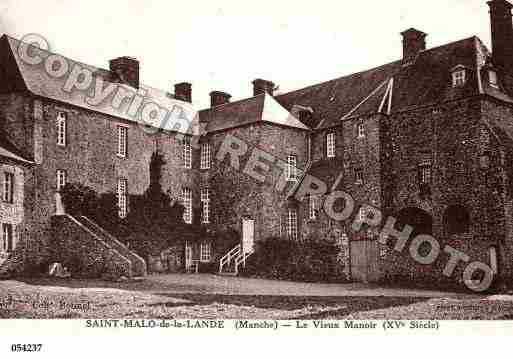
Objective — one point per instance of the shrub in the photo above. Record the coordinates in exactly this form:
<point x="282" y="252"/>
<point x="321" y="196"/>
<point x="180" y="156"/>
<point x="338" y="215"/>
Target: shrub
<point x="310" y="260"/>
<point x="80" y="200"/>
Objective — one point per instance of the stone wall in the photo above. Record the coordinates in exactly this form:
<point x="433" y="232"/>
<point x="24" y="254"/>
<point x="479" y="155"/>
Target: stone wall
<point x="83" y="253"/>
<point x="448" y="136"/>
<point x="89" y="157"/>
<point x="236" y="195"/>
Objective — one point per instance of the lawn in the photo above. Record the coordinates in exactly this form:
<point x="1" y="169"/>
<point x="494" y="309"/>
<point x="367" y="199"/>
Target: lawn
<point x="48" y="298"/>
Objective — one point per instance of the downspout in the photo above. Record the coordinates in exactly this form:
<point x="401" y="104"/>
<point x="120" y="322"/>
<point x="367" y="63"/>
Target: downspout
<point x="309" y="147"/>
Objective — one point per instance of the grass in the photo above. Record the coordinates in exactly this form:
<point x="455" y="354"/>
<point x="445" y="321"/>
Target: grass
<point x="52" y="299"/>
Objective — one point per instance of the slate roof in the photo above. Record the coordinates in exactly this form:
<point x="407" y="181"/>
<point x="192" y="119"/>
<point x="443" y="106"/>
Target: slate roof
<point x="37" y="81"/>
<point x="424" y="81"/>
<point x="259" y="109"/>
<point x="10" y="151"/>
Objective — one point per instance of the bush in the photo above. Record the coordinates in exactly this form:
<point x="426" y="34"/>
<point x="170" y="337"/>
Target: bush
<point x="310" y="260"/>
<point x="80" y="200"/>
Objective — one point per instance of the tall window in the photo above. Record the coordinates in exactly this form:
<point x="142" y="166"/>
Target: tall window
<point x="358" y="174"/>
<point x="205" y="252"/>
<point x="312" y="207"/>
<point x="458" y="78"/>
<point x="8" y="187"/>
<point x="291" y="168"/>
<point x="206" y="156"/>
<point x="187" y="152"/>
<point x="205" y="203"/>
<point x="187" y="203"/>
<point x="492" y="76"/>
<point x="7" y="237"/>
<point x="122" y="141"/>
<point x="61" y="128"/>
<point x="425" y="173"/>
<point x="122" y="198"/>
<point x="361" y="130"/>
<point x="330" y="145"/>
<point x="61" y="179"/>
<point x="292" y="224"/>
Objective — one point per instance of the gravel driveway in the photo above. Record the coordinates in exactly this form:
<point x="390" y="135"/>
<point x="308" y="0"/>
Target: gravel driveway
<point x="211" y="297"/>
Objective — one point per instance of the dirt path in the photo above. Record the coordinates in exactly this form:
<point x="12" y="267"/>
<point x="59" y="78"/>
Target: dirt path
<point x="212" y="297"/>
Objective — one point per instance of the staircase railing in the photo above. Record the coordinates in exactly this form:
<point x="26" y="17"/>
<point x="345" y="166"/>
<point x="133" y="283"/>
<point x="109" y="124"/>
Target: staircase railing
<point x="139" y="264"/>
<point x="241" y="259"/>
<point x="228" y="257"/>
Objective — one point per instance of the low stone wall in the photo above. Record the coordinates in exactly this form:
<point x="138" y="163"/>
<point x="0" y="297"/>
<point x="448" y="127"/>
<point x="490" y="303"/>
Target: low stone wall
<point x="84" y="253"/>
<point x="139" y="267"/>
<point x="400" y="268"/>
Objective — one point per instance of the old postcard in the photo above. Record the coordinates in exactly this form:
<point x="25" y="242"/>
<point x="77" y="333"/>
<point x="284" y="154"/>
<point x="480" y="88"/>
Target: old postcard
<point x="200" y="169"/>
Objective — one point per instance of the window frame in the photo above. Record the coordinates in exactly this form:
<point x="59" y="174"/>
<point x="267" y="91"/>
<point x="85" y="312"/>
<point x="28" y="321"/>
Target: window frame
<point x="205" y="204"/>
<point x="312" y="207"/>
<point x="8" y="244"/>
<point x="62" y="129"/>
<point x="292" y="224"/>
<point x="205" y="156"/>
<point x="122" y="194"/>
<point x="187" y="152"/>
<point x="8" y="188"/>
<point x="331" y="145"/>
<point x="493" y="79"/>
<point x="358" y="176"/>
<point x="122" y="148"/>
<point x="187" y="203"/>
<point x="60" y="184"/>
<point x="459" y="78"/>
<point x="360" y="131"/>
<point x="292" y="168"/>
<point x="425" y="173"/>
<point x="205" y="252"/>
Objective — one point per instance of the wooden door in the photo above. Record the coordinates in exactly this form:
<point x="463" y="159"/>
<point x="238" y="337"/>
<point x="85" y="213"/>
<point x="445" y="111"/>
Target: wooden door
<point x="248" y="235"/>
<point x="364" y="261"/>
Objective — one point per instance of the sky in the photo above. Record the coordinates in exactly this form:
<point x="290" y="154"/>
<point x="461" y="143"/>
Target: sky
<point x="225" y="44"/>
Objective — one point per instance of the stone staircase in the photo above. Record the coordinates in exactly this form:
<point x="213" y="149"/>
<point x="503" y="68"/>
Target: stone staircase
<point x="92" y="252"/>
<point x="139" y="268"/>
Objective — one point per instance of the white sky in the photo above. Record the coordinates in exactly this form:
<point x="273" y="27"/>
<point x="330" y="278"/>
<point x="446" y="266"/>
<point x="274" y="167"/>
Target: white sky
<point x="225" y="44"/>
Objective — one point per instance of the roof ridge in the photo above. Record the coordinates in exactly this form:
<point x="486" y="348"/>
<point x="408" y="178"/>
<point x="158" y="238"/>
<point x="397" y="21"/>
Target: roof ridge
<point x="96" y="68"/>
<point x="396" y="62"/>
<point x="233" y="102"/>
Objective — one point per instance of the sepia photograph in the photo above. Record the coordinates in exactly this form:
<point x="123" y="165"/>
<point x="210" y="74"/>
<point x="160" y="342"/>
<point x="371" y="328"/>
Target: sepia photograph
<point x="327" y="165"/>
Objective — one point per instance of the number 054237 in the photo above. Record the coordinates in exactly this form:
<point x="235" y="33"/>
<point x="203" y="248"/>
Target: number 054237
<point x="26" y="347"/>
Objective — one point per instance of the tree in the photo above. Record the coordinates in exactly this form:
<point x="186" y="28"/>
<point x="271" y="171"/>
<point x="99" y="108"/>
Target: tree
<point x="154" y="220"/>
<point x="80" y="200"/>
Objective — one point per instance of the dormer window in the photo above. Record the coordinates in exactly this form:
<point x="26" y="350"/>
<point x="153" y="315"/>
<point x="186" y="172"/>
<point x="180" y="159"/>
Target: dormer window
<point x="459" y="76"/>
<point x="492" y="78"/>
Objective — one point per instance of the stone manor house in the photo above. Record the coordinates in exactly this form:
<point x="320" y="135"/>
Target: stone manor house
<point x="427" y="138"/>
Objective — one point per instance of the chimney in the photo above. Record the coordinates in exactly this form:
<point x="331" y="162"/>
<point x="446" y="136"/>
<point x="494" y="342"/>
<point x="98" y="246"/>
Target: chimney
<point x="218" y="98"/>
<point x="414" y="41"/>
<point x="262" y="86"/>
<point x="502" y="33"/>
<point x="183" y="91"/>
<point x="126" y="69"/>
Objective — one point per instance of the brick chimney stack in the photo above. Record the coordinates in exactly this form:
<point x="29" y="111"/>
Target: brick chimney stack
<point x="502" y="33"/>
<point x="414" y="41"/>
<point x="126" y="69"/>
<point x="262" y="86"/>
<point x="183" y="92"/>
<point x="218" y="98"/>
